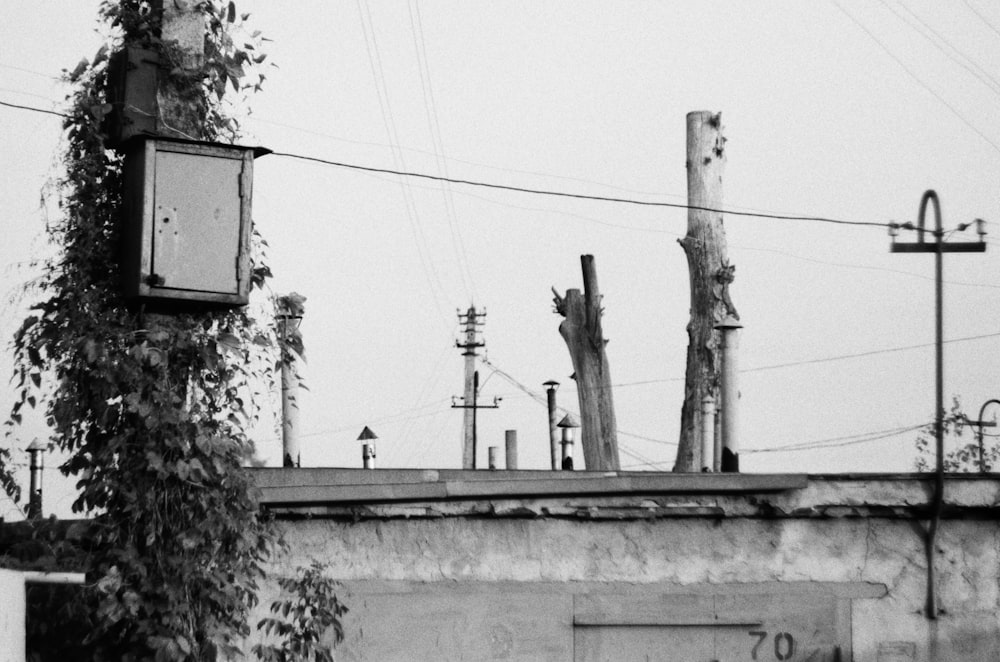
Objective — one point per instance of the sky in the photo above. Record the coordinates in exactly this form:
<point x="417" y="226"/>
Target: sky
<point x="843" y="110"/>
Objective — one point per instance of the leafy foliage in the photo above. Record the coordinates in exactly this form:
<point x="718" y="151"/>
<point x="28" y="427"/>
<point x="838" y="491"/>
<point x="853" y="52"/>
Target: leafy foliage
<point x="150" y="408"/>
<point x="962" y="458"/>
<point x="59" y="617"/>
<point x="302" y="619"/>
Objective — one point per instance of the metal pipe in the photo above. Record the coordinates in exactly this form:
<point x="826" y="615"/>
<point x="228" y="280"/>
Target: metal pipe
<point x="707" y="432"/>
<point x="492" y="457"/>
<point x="567" y="424"/>
<point x="931" y="539"/>
<point x="291" y="456"/>
<point x="550" y="392"/>
<point x="729" y="393"/>
<point x="510" y="446"/>
<point x="368" y="456"/>
<point x="37" y="464"/>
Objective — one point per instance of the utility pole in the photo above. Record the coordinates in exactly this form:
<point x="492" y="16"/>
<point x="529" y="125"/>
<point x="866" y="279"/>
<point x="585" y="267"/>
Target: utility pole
<point x="710" y="276"/>
<point x="473" y="320"/>
<point x="938" y="248"/>
<point x="470" y="413"/>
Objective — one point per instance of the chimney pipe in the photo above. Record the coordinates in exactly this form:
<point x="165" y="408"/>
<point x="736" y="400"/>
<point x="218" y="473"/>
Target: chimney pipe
<point x="550" y="392"/>
<point x="367" y="449"/>
<point x="707" y="433"/>
<point x="35" y="451"/>
<point x="567" y="424"/>
<point x="730" y="394"/>
<point x="510" y="442"/>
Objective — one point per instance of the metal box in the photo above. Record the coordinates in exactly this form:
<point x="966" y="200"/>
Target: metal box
<point x="132" y="83"/>
<point x="186" y="221"/>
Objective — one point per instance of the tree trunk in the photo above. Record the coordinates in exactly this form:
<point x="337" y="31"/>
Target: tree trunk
<point x="585" y="339"/>
<point x="710" y="275"/>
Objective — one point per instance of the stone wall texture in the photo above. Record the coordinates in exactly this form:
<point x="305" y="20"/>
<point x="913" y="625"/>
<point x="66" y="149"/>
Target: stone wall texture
<point x="832" y="571"/>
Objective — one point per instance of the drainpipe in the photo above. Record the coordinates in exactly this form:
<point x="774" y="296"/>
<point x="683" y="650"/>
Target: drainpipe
<point x="707" y="432"/>
<point x="730" y="394"/>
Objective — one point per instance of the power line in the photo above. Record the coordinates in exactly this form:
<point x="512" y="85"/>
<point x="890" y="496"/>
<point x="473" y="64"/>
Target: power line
<point x="385" y="106"/>
<point x="914" y="76"/>
<point x="33" y="109"/>
<point x="981" y="17"/>
<point x="837" y="442"/>
<point x="973" y="67"/>
<point x="927" y="33"/>
<point x="826" y="359"/>
<point x="577" y="196"/>
<point x="534" y="191"/>
<point x="863" y="354"/>
<point x="434" y="126"/>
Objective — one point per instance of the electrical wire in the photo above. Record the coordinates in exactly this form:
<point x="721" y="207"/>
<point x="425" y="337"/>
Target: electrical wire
<point x="982" y="18"/>
<point x="914" y="76"/>
<point x="33" y="109"/>
<point x="976" y="70"/>
<point x="836" y="442"/>
<point x="578" y="196"/>
<point x="385" y="106"/>
<point x="559" y="194"/>
<point x="434" y="127"/>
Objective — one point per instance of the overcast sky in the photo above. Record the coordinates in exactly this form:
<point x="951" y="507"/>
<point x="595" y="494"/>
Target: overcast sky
<point x="847" y="110"/>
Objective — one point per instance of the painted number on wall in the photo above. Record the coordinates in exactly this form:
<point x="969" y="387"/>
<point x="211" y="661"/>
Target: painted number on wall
<point x="784" y="645"/>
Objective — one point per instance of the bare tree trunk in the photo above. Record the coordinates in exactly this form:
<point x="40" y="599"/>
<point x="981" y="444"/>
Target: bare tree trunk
<point x="585" y="338"/>
<point x="710" y="275"/>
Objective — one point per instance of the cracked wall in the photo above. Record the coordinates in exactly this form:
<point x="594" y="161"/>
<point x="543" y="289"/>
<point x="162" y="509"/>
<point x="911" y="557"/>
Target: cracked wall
<point x="496" y="587"/>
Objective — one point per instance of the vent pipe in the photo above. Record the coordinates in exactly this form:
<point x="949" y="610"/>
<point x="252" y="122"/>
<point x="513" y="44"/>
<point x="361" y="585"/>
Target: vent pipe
<point x="35" y="451"/>
<point x="730" y="394"/>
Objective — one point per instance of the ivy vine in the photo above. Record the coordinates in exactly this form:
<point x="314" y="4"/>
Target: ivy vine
<point x="151" y="409"/>
<point x="302" y="618"/>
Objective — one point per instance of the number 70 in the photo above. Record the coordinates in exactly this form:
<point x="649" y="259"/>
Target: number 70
<point x="784" y="644"/>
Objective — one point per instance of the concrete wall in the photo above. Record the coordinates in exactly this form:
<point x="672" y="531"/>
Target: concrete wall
<point x="747" y="568"/>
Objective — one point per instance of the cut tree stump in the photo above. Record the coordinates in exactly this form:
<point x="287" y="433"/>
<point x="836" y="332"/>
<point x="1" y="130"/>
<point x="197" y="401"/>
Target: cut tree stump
<point x="585" y="339"/>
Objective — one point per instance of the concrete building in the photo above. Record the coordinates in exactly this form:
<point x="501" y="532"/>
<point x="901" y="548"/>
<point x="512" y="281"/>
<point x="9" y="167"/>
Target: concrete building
<point x="578" y="566"/>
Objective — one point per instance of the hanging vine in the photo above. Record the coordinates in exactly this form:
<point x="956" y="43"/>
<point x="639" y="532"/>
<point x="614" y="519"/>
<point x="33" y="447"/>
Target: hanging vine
<point x="151" y="410"/>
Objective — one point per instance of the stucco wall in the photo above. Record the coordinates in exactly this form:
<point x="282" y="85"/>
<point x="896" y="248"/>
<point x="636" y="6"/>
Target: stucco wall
<point x="837" y="567"/>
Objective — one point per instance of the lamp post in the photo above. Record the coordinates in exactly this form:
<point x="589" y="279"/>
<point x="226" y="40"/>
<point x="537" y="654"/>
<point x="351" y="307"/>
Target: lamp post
<point x="289" y="319"/>
<point x="567" y="424"/>
<point x="939" y="248"/>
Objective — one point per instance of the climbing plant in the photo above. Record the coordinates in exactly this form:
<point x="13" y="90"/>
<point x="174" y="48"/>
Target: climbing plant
<point x="302" y="618"/>
<point x="150" y="409"/>
<point x="961" y="453"/>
